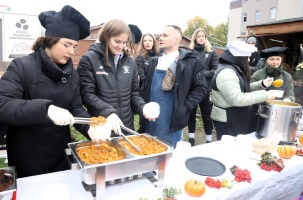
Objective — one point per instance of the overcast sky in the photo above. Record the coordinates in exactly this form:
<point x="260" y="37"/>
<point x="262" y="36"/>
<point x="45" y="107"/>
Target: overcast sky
<point x="149" y="15"/>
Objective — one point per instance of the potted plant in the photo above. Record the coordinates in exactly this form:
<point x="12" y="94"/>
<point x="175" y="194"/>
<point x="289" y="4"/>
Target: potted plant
<point x="298" y="83"/>
<point x="169" y="193"/>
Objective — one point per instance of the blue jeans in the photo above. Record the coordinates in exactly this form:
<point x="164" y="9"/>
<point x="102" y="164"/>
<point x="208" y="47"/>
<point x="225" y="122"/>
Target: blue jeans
<point x="161" y="127"/>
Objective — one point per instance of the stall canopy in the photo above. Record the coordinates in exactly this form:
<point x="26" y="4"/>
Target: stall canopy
<point x="284" y="33"/>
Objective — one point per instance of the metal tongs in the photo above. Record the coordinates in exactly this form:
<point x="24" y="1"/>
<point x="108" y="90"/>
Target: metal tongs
<point x="130" y="130"/>
<point x="82" y="120"/>
<point x="130" y="142"/>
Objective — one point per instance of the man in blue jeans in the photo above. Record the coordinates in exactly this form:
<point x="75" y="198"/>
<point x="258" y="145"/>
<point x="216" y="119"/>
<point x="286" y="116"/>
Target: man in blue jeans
<point x="175" y="81"/>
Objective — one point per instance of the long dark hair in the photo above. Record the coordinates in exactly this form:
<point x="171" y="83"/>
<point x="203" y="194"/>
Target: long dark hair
<point x="244" y="64"/>
<point x="45" y="42"/>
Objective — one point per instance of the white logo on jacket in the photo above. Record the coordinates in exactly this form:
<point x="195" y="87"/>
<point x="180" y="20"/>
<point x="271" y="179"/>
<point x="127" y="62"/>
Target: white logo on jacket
<point x="126" y="69"/>
<point x="102" y="71"/>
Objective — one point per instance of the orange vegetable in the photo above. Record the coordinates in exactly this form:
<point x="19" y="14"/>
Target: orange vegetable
<point x="301" y="139"/>
<point x="286" y="151"/>
<point x="194" y="188"/>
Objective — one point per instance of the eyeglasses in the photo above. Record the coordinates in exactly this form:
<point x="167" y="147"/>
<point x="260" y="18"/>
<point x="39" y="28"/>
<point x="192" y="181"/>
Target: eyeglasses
<point x="70" y="47"/>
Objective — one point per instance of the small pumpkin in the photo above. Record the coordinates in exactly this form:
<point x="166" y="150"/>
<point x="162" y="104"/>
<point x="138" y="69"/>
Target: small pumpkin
<point x="194" y="188"/>
<point x="286" y="151"/>
<point x="301" y="139"/>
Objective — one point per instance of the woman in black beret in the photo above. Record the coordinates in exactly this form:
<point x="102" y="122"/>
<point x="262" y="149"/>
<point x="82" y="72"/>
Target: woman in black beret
<point x="272" y="68"/>
<point x="40" y="95"/>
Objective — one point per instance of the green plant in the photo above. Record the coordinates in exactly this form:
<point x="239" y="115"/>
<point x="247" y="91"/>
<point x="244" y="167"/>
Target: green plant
<point x="297" y="75"/>
<point x="2" y="162"/>
<point x="170" y="192"/>
<point x="76" y="136"/>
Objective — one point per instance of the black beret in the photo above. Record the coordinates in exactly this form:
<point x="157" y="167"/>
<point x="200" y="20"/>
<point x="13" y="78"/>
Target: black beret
<point x="273" y="51"/>
<point x="136" y="33"/>
<point x="67" y="23"/>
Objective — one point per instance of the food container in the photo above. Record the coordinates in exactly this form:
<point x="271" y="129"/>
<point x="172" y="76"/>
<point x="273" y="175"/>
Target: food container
<point x="7" y="182"/>
<point x="280" y="116"/>
<point x="71" y="160"/>
<point x="148" y="145"/>
<point x="130" y="165"/>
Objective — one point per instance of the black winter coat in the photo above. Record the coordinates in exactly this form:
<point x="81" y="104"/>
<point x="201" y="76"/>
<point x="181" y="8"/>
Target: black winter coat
<point x="34" y="144"/>
<point x="142" y="65"/>
<point x="210" y="61"/>
<point x="106" y="90"/>
<point x="190" y="87"/>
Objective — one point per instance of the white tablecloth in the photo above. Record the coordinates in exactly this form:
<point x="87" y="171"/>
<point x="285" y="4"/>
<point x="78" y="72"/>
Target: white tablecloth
<point x="284" y="185"/>
<point x="64" y="185"/>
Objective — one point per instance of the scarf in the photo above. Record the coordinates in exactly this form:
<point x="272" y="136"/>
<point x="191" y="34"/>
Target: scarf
<point x="199" y="47"/>
<point x="273" y="72"/>
<point x="53" y="70"/>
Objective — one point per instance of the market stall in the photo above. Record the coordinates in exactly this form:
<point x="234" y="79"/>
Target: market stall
<point x="285" y="185"/>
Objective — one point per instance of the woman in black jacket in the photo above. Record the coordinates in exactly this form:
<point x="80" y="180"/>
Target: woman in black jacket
<point x="148" y="48"/>
<point x="40" y="94"/>
<point x="210" y="61"/>
<point x="109" y="78"/>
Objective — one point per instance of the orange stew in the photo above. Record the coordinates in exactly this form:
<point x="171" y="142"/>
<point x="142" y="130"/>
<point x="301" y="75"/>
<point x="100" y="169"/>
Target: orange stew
<point x="96" y="154"/>
<point x="146" y="144"/>
<point x="96" y="121"/>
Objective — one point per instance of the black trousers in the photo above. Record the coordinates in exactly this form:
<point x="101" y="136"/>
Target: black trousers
<point x="222" y="129"/>
<point x="205" y="108"/>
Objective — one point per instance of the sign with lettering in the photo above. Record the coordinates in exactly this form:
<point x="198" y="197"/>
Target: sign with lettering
<point x="19" y="34"/>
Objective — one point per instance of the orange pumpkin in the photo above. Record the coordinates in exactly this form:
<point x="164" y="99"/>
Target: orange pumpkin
<point x="301" y="139"/>
<point x="286" y="151"/>
<point x="194" y="188"/>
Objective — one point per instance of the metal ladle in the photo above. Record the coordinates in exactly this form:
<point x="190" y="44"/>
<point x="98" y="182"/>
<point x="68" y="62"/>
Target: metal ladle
<point x="277" y="83"/>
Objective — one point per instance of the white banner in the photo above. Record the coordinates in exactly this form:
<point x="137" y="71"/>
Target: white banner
<point x="19" y="34"/>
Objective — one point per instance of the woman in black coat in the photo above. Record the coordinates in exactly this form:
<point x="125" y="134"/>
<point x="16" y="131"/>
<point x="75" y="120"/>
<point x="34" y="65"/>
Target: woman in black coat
<point x="40" y="94"/>
<point x="210" y="61"/>
<point x="148" y="48"/>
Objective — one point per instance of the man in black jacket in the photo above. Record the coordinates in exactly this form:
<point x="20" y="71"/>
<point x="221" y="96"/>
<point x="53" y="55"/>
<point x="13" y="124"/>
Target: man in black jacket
<point x="175" y="81"/>
<point x="256" y="62"/>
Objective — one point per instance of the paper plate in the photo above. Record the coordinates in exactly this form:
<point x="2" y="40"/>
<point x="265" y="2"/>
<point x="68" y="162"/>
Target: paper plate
<point x="205" y="166"/>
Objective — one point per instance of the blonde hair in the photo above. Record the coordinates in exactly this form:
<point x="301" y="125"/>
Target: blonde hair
<point x="141" y="48"/>
<point x="207" y="45"/>
<point x="114" y="28"/>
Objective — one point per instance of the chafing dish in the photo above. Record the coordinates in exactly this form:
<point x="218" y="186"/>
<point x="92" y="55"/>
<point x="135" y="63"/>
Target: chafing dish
<point x="8" y="182"/>
<point x="131" y="165"/>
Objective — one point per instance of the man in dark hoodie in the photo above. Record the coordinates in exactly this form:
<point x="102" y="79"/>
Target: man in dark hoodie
<point x="256" y="62"/>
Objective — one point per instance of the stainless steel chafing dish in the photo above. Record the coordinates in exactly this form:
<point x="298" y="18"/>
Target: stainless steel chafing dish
<point x="9" y="173"/>
<point x="130" y="165"/>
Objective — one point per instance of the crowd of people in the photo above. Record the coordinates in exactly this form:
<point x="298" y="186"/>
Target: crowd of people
<point x="162" y="82"/>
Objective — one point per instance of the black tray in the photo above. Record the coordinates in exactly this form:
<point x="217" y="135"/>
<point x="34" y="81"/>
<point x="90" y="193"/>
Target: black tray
<point x="205" y="166"/>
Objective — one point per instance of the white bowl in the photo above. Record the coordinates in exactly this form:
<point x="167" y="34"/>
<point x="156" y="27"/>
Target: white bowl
<point x="278" y="93"/>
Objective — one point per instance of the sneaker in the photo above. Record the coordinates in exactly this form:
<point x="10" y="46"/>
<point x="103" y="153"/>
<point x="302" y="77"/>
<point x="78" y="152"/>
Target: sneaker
<point x="208" y="141"/>
<point x="191" y="141"/>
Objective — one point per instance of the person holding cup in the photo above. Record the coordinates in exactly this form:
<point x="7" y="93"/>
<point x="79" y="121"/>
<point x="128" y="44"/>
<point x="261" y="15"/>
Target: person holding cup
<point x="273" y="68"/>
<point x="232" y="93"/>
